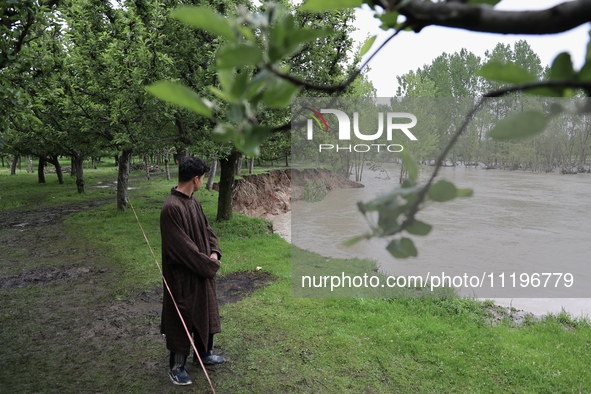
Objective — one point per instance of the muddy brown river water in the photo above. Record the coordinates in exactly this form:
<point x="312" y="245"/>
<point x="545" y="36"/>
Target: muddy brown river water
<point x="516" y="228"/>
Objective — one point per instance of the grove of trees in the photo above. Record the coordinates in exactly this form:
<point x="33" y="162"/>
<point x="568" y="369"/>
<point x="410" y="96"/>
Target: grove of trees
<point x="74" y="76"/>
<point x="564" y="146"/>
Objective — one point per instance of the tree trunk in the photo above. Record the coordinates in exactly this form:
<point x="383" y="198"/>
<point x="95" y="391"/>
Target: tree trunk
<point x="123" y="180"/>
<point x="239" y="165"/>
<point x="184" y="155"/>
<point x="13" y="165"/>
<point x="251" y="165"/>
<point x="72" y="166"/>
<point x="29" y="164"/>
<point x="227" y="167"/>
<point x="167" y="164"/>
<point x="41" y="170"/>
<point x="212" y="172"/>
<point x="58" y="168"/>
<point x="78" y="168"/>
<point x="146" y="162"/>
<point x="180" y="126"/>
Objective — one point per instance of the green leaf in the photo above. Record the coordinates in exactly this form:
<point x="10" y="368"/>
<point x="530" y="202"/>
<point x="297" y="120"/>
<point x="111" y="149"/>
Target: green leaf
<point x="177" y="94"/>
<point x="388" y="220"/>
<point x="247" y="33"/>
<point x="411" y="164"/>
<point x="419" y="228"/>
<point x="555" y="109"/>
<point x="249" y="142"/>
<point x="224" y="132"/>
<point x="585" y="73"/>
<point x="257" y="85"/>
<point x="239" y="88"/>
<point x="205" y="18"/>
<point x="220" y="93"/>
<point x="466" y="192"/>
<point x="280" y="93"/>
<point x="367" y="45"/>
<point x="226" y="79"/>
<point x="519" y="125"/>
<point x="277" y="38"/>
<point x="389" y="200"/>
<point x="505" y="72"/>
<point x="235" y="112"/>
<point x="402" y="248"/>
<point x="442" y="191"/>
<point x="389" y="20"/>
<point x="329" y="5"/>
<point x="238" y="56"/>
<point x="562" y="67"/>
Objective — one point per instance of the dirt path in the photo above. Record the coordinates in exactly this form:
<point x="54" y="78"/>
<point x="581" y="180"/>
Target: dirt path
<point x="62" y="329"/>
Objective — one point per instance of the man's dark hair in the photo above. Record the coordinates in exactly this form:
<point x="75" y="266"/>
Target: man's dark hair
<point x="191" y="167"/>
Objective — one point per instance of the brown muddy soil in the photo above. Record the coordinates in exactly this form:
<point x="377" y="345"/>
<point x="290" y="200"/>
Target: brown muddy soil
<point x="63" y="329"/>
<point x="270" y="194"/>
<point x="35" y="235"/>
<point x="47" y="275"/>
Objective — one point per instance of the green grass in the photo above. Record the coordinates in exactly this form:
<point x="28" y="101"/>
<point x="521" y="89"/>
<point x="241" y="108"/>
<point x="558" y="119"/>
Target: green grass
<point x="276" y="343"/>
<point x="22" y="191"/>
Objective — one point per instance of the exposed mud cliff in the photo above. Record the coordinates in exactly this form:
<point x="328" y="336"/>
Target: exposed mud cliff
<point x="269" y="194"/>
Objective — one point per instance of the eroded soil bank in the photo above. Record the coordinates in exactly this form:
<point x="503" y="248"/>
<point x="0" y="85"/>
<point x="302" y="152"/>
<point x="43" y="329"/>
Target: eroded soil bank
<point x="269" y="194"/>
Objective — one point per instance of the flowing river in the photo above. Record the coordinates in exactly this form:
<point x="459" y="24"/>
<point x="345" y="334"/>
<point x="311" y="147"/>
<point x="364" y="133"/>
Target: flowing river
<point x="515" y="223"/>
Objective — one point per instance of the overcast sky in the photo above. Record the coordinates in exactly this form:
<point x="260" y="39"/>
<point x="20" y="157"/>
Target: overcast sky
<point x="409" y="51"/>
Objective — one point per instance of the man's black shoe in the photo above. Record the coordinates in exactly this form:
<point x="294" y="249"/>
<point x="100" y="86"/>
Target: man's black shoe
<point x="211" y="359"/>
<point x="179" y="376"/>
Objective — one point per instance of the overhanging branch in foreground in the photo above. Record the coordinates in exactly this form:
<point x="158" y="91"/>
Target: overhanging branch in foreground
<point x="482" y="18"/>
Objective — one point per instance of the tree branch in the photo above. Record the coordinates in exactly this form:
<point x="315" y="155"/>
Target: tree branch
<point x="338" y="87"/>
<point x="482" y="18"/>
<point x="327" y="88"/>
<point x="8" y="21"/>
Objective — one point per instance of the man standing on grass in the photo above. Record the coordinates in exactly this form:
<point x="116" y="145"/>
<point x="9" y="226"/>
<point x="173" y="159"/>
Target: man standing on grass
<point x="190" y="261"/>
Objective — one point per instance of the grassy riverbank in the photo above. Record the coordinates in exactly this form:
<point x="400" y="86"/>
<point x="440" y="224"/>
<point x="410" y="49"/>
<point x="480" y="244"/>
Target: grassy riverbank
<point x="274" y="343"/>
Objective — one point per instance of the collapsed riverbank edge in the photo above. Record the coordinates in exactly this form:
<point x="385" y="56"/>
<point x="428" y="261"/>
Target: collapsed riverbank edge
<point x="271" y="193"/>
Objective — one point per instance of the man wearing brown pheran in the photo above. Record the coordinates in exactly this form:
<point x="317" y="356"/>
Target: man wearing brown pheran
<point x="190" y="261"/>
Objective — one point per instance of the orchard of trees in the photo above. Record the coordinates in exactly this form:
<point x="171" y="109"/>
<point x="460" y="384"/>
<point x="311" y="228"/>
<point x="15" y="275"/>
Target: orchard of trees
<point x="74" y="76"/>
